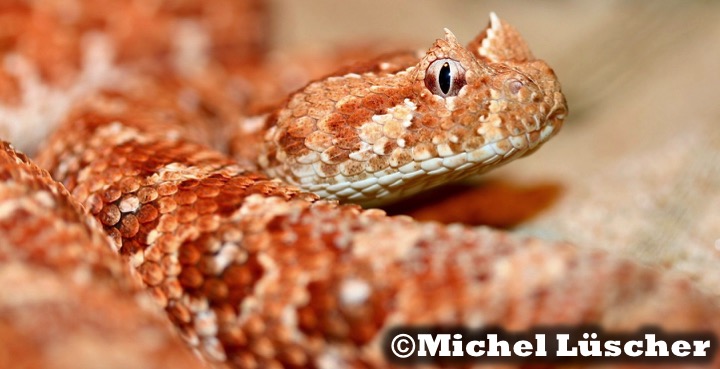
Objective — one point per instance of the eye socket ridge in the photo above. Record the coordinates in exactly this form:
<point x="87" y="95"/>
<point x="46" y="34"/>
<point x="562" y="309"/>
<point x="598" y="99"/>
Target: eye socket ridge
<point x="445" y="77"/>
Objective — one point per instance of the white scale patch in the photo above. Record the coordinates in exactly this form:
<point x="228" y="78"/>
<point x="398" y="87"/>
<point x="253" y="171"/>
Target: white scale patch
<point x="205" y="323"/>
<point x="397" y="117"/>
<point x="191" y="47"/>
<point x="178" y="171"/>
<point x="42" y="106"/>
<point x="39" y="201"/>
<point x="331" y="359"/>
<point x="227" y="254"/>
<point x="253" y="124"/>
<point x="354" y="292"/>
<point x="119" y="132"/>
<point x="129" y="204"/>
<point x="393" y="125"/>
<point x="546" y="133"/>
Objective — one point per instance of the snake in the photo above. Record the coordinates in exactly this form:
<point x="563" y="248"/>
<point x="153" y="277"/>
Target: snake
<point x="273" y="256"/>
<point x="402" y="125"/>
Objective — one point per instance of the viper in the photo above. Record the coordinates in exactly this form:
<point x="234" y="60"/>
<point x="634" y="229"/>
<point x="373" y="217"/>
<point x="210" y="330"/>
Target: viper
<point x="242" y="254"/>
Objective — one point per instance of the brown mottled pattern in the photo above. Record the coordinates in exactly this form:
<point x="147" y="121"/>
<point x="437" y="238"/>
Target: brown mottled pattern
<point x="52" y="33"/>
<point x="257" y="274"/>
<point x="66" y="300"/>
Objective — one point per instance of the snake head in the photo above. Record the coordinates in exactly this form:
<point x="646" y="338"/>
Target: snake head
<point x="385" y="132"/>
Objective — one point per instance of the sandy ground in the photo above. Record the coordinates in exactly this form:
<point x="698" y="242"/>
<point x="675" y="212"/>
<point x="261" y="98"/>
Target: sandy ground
<point x="636" y="169"/>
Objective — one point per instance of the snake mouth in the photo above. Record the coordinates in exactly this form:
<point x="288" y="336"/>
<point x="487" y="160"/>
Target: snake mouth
<point x="558" y="113"/>
<point x="553" y="122"/>
<point x="418" y="176"/>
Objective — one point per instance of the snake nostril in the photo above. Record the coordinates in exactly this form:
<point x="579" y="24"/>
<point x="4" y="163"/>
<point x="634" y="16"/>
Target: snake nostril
<point x="515" y="85"/>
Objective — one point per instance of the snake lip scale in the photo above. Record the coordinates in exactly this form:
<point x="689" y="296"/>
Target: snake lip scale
<point x="244" y="257"/>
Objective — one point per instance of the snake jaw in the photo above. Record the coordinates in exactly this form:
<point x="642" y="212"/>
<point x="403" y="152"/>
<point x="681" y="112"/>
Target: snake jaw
<point x="373" y="137"/>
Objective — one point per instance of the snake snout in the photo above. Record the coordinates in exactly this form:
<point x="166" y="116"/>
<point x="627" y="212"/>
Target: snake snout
<point x="558" y="112"/>
<point x="550" y="101"/>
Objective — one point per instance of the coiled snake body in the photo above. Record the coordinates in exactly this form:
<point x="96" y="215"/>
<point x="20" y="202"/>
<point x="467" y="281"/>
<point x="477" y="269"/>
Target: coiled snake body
<point x="259" y="272"/>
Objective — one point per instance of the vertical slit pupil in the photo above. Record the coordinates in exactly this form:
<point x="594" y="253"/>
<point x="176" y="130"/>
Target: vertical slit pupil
<point x="444" y="78"/>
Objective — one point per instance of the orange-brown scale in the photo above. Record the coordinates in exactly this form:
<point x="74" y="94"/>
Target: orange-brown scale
<point x="51" y="33"/>
<point x="67" y="300"/>
<point x="277" y="277"/>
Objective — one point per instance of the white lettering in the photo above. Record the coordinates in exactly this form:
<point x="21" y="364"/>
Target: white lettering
<point x="652" y="345"/>
<point x="681" y="348"/>
<point x="612" y="348"/>
<point x="474" y="348"/>
<point x="441" y="340"/>
<point x="540" y="345"/>
<point x="629" y="348"/>
<point x="563" y="344"/>
<point x="700" y="347"/>
<point x="457" y="345"/>
<point x="590" y="348"/>
<point x="494" y="344"/>
<point x="522" y="348"/>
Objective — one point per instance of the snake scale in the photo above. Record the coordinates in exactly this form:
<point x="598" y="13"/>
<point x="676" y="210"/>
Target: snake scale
<point x="253" y="269"/>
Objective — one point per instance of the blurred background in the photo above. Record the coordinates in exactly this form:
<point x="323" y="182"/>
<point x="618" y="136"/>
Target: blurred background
<point x="636" y="168"/>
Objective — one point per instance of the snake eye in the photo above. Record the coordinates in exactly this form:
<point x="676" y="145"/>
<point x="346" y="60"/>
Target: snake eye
<point x="445" y="77"/>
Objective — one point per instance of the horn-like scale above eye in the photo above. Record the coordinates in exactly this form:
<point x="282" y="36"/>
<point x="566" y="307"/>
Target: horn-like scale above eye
<point x="445" y="77"/>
